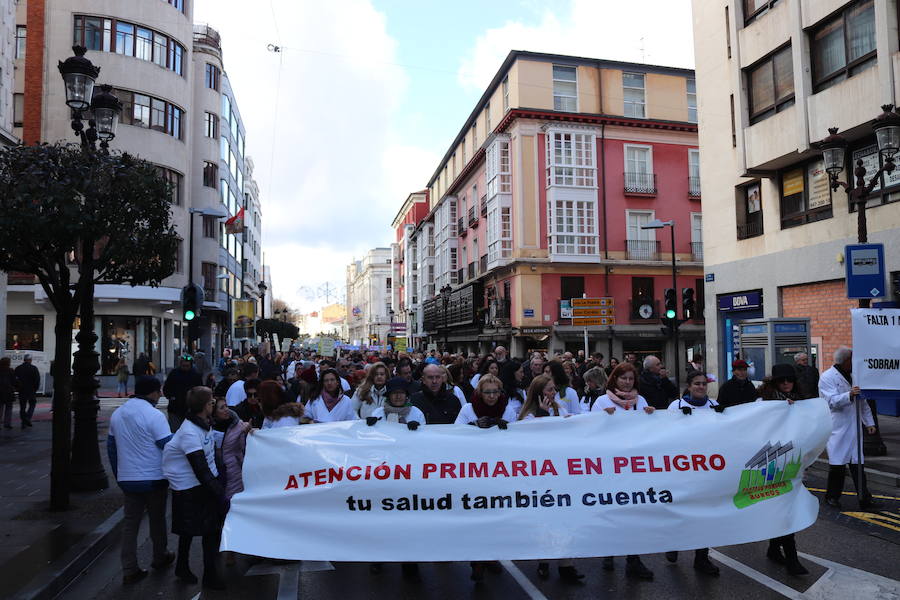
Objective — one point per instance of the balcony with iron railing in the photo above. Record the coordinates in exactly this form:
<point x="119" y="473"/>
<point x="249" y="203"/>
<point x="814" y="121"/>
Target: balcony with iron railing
<point x="483" y="206"/>
<point x="642" y="249"/>
<point x="697" y="251"/>
<point x="472" y="270"/>
<point x="482" y="263"/>
<point x="752" y="228"/>
<point x="461" y="226"/>
<point x="473" y="217"/>
<point x="643" y="184"/>
<point x="694" y="186"/>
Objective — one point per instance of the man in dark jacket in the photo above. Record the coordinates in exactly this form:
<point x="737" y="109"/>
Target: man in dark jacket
<point x="175" y="389"/>
<point x="807" y="377"/>
<point x="440" y="405"/>
<point x="655" y="386"/>
<point x="249" y="409"/>
<point x="739" y="389"/>
<point x="29" y="381"/>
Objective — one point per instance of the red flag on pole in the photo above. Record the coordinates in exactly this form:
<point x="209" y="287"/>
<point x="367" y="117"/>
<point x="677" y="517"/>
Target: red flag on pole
<point x="236" y="223"/>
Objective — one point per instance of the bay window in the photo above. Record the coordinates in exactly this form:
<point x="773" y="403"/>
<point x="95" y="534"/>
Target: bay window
<point x="570" y="159"/>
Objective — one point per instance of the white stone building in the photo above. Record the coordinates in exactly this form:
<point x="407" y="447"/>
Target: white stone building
<point x="369" y="291"/>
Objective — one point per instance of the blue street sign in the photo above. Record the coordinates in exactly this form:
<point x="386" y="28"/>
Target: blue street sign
<point x="710" y="277"/>
<point x="865" y="270"/>
<point x="528" y="313"/>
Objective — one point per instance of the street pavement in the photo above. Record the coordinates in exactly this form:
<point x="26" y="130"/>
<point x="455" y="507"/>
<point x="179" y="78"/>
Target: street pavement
<point x="850" y="554"/>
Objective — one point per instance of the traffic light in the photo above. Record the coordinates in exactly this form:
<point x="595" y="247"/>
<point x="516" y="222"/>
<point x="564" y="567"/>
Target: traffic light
<point x="191" y="301"/>
<point x="671" y="303"/>
<point x="687" y="303"/>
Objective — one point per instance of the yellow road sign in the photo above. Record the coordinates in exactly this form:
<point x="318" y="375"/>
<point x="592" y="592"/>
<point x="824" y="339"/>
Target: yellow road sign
<point x="593" y="312"/>
<point x="586" y="322"/>
<point x="592" y="302"/>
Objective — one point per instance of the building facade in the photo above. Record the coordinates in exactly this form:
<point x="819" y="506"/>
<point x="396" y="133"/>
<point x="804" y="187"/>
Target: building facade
<point x="541" y="198"/>
<point x="12" y="45"/>
<point x="369" y="292"/>
<point x="170" y="79"/>
<point x="772" y="78"/>
<point x="413" y="264"/>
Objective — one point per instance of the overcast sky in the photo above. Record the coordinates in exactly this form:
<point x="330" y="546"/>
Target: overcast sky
<point x="366" y="95"/>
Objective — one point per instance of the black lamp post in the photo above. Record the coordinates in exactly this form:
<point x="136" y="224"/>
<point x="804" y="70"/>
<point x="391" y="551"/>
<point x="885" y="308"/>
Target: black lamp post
<point x="445" y="301"/>
<point x="673" y="321"/>
<point x="79" y="76"/>
<point x="262" y="306"/>
<point x="887" y="132"/>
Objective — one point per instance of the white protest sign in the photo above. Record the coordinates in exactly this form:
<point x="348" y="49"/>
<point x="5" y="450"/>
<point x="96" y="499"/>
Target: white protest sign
<point x="876" y="348"/>
<point x="590" y="485"/>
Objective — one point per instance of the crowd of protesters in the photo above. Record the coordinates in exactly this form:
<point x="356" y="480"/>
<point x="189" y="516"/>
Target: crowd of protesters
<point x="198" y="451"/>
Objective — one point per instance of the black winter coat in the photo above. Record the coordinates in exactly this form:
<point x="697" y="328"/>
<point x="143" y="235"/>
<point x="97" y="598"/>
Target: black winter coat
<point x="737" y="391"/>
<point x="440" y="408"/>
<point x="657" y="391"/>
<point x="176" y="388"/>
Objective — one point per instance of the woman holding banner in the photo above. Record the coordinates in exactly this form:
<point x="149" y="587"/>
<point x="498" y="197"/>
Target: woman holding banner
<point x="489" y="407"/>
<point x="330" y="404"/>
<point x="198" y="498"/>
<point x="695" y="398"/>
<point x="622" y="395"/>
<point x="781" y="386"/>
<point x="541" y="402"/>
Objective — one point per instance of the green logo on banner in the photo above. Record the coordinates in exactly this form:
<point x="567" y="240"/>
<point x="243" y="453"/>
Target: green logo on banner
<point x="768" y="474"/>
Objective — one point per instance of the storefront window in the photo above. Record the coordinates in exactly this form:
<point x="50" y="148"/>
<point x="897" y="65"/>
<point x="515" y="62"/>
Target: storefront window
<point x="25" y="332"/>
<point x="126" y="338"/>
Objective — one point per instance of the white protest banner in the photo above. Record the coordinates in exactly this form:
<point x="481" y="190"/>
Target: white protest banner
<point x="876" y="348"/>
<point x="590" y="485"/>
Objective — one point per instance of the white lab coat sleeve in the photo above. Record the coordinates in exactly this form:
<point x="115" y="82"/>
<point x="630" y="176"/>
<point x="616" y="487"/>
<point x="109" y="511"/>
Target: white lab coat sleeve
<point x="466" y="415"/>
<point x="459" y="394"/>
<point x="573" y="405"/>
<point x="866" y="412"/>
<point x="356" y="403"/>
<point x="831" y="387"/>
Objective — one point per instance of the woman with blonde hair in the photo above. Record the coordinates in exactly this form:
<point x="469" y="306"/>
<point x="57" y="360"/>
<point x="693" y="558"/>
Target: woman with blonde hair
<point x="372" y="392"/>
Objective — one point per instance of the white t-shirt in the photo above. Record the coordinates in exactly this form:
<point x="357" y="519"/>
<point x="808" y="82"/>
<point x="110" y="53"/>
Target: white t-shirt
<point x="414" y="415"/>
<point x="459" y="394"/>
<point x="603" y="402"/>
<point x="137" y="425"/>
<point x="286" y="421"/>
<point x="562" y="413"/>
<point x="176" y="468"/>
<point x="570" y="401"/>
<point x="343" y="410"/>
<point x="467" y="414"/>
<point x="681" y="402"/>
<point x="235" y="394"/>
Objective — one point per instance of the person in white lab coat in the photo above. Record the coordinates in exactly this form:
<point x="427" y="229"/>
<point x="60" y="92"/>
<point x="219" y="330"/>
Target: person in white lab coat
<point x="836" y="387"/>
<point x="331" y="403"/>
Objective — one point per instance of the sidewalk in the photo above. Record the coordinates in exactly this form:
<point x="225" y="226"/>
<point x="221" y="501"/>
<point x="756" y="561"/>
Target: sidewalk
<point x="37" y="544"/>
<point x="880" y="469"/>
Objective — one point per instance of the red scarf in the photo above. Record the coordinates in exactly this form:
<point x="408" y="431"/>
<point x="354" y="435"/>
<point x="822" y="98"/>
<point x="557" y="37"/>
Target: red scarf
<point x="330" y="401"/>
<point x="483" y="409"/>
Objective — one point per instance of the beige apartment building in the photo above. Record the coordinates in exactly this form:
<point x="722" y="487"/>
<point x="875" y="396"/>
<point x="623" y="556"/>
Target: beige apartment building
<point x="772" y="77"/>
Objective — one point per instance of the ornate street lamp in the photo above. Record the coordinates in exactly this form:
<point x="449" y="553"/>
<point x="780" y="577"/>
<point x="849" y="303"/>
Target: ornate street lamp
<point x="79" y="77"/>
<point x="834" y="149"/>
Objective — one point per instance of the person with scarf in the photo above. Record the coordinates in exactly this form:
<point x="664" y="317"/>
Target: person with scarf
<point x="397" y="408"/>
<point x="594" y="387"/>
<point x="781" y="386"/>
<point x="198" y="498"/>
<point x="695" y="398"/>
<point x="250" y="409"/>
<point x="621" y="394"/>
<point x="512" y="376"/>
<point x="372" y="391"/>
<point x="330" y="403"/>
<point x="836" y="387"/>
<point x="489" y="405"/>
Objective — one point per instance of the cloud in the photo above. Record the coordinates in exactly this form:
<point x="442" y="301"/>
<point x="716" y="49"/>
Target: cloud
<point x="319" y="117"/>
<point x="610" y="30"/>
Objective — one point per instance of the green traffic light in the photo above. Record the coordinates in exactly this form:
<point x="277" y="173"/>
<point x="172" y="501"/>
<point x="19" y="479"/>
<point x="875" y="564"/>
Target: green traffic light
<point x="670" y="314"/>
<point x="189" y="315"/>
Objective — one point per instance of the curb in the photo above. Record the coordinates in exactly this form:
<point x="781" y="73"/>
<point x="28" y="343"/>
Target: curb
<point x="60" y="573"/>
<point x="872" y="475"/>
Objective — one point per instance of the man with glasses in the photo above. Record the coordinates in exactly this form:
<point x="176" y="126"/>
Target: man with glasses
<point x="249" y="409"/>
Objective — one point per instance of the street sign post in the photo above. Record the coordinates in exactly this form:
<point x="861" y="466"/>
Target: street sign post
<point x="865" y="271"/>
